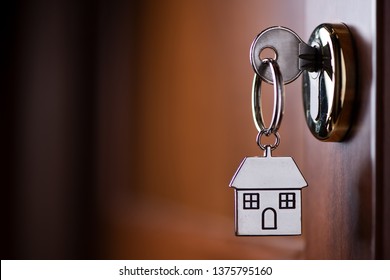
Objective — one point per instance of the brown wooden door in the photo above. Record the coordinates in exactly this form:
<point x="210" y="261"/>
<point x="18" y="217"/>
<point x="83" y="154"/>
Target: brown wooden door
<point x="349" y="194"/>
<point x="341" y="210"/>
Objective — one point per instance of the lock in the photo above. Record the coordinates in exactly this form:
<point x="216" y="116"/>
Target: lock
<point x="327" y="63"/>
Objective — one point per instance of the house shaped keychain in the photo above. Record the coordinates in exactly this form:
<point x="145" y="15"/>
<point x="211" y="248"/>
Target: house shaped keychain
<point x="268" y="189"/>
<point x="268" y="196"/>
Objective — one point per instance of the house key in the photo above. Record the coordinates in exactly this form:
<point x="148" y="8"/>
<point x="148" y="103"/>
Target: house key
<point x="291" y="53"/>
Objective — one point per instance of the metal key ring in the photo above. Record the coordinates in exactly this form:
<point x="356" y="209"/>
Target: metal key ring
<point x="278" y="108"/>
<point x="264" y="147"/>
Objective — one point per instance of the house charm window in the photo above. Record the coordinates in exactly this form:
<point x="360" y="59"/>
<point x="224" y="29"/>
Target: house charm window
<point x="287" y="201"/>
<point x="251" y="201"/>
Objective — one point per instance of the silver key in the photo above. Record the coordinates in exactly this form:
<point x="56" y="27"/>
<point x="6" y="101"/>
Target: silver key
<point x="291" y="53"/>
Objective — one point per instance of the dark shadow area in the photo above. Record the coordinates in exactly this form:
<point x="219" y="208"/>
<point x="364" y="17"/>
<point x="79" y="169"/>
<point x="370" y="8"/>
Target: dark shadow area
<point x="51" y="54"/>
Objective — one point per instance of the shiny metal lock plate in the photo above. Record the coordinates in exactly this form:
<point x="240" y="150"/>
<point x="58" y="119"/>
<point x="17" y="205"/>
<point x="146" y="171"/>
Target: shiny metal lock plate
<point x="328" y="94"/>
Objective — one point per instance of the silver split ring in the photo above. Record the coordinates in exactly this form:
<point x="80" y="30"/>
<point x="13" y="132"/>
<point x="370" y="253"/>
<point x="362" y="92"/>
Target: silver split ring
<point x="262" y="146"/>
<point x="278" y="108"/>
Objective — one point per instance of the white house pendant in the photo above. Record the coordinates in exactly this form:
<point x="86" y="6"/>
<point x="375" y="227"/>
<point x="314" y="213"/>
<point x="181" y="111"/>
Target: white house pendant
<point x="268" y="196"/>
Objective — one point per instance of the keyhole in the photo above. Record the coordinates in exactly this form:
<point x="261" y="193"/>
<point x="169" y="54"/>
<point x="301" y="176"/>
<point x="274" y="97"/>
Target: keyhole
<point x="314" y="96"/>
<point x="268" y="52"/>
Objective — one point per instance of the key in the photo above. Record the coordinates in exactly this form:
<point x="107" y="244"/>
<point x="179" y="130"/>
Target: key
<point x="290" y="52"/>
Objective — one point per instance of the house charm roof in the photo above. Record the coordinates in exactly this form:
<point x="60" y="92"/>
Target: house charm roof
<point x="268" y="173"/>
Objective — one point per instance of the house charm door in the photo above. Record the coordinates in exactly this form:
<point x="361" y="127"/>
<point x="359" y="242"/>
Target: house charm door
<point x="268" y="196"/>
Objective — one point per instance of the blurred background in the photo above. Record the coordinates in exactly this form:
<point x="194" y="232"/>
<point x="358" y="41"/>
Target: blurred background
<point x="124" y="123"/>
